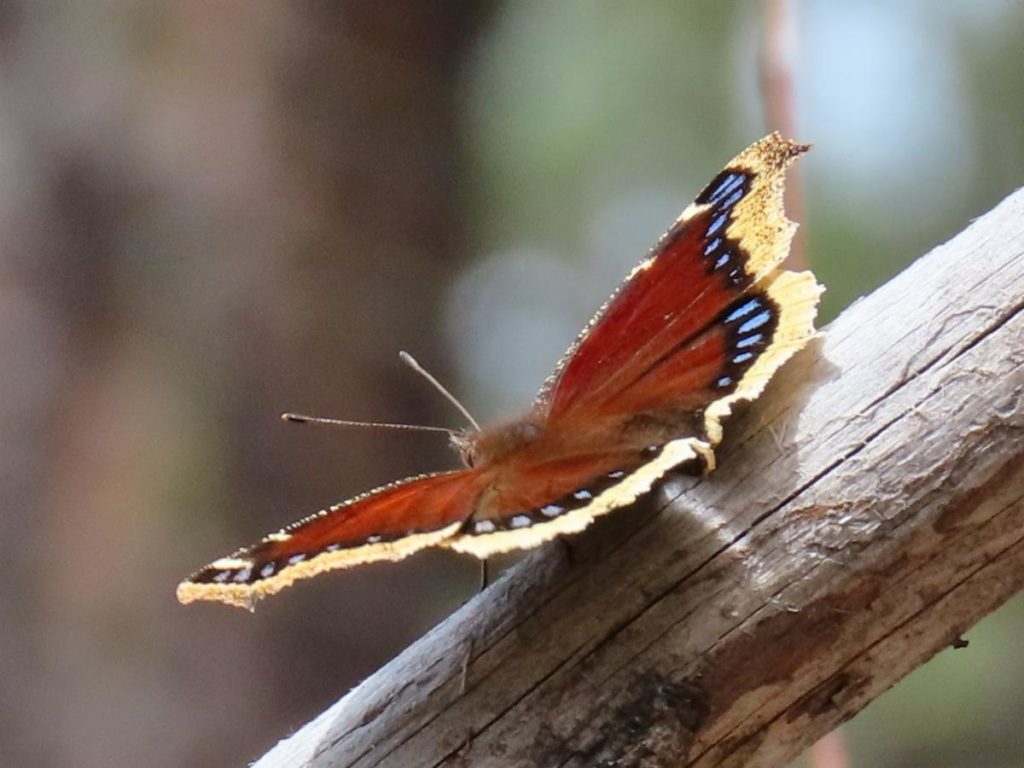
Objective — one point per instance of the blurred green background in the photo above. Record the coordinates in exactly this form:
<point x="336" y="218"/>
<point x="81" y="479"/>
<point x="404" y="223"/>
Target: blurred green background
<point x="214" y="212"/>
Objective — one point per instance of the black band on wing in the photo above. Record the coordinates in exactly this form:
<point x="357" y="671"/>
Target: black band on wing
<point x="720" y="254"/>
<point x="751" y="321"/>
<point x="570" y="502"/>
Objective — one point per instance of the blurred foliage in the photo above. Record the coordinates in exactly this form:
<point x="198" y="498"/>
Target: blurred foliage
<point x="578" y="112"/>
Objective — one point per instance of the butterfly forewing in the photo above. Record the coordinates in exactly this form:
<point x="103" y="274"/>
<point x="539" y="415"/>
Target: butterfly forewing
<point x="722" y="249"/>
<point x="389" y="523"/>
<point x="565" y="496"/>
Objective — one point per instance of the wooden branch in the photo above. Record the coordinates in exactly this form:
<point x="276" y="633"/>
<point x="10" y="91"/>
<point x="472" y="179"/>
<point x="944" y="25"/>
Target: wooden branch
<point x="867" y="511"/>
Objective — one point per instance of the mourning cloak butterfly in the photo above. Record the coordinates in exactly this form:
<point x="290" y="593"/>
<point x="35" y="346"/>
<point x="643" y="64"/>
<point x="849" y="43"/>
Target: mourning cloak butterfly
<point x="702" y="323"/>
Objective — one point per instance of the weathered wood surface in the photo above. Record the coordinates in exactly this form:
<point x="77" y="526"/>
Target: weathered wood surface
<point x="867" y="510"/>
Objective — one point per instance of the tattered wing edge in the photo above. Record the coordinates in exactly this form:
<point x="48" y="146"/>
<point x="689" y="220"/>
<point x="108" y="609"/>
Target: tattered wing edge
<point x="796" y="296"/>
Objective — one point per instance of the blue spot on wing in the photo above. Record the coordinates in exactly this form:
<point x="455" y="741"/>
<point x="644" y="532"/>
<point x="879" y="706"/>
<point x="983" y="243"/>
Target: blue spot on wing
<point x="744" y="309"/>
<point x="712" y="246"/>
<point x="732" y="199"/>
<point x="755" y="322"/>
<point x="716" y="223"/>
<point x="731" y="183"/>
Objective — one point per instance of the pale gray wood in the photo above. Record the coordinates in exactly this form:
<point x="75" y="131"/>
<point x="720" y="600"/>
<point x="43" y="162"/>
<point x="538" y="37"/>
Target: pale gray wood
<point x="866" y="511"/>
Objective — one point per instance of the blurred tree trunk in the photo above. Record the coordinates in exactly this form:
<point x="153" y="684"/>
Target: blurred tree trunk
<point x="369" y="129"/>
<point x="211" y="213"/>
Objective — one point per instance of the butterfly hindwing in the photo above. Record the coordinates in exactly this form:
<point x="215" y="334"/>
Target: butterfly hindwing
<point x="565" y="496"/>
<point x="731" y="359"/>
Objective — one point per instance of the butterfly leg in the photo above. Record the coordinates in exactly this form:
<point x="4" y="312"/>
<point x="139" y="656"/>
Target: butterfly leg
<point x="485" y="576"/>
<point x="566" y="547"/>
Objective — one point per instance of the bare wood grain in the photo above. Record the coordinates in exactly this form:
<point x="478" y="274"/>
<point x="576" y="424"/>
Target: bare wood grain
<point x="868" y="509"/>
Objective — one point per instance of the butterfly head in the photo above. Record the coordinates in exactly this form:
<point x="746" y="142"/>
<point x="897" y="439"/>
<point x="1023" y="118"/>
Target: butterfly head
<point x="463" y="441"/>
<point x="487" y="446"/>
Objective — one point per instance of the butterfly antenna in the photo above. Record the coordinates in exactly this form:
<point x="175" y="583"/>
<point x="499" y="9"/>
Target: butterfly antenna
<point x="411" y="362"/>
<point x="298" y="418"/>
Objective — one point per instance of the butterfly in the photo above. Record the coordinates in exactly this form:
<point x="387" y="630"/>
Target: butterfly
<point x="699" y="325"/>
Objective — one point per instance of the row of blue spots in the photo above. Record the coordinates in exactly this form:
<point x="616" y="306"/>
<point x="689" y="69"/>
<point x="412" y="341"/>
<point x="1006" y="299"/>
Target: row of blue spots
<point x="578" y="499"/>
<point x="752" y="315"/>
<point x="749" y="320"/>
<point x="730" y="185"/>
<point x="724" y="257"/>
<point x="725" y="194"/>
<point x="717" y="249"/>
<point x="732" y="199"/>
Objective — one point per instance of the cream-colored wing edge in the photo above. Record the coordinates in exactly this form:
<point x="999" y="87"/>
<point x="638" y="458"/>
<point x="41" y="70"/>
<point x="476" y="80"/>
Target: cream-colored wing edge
<point x="245" y="595"/>
<point x="629" y="489"/>
<point x="796" y="295"/>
